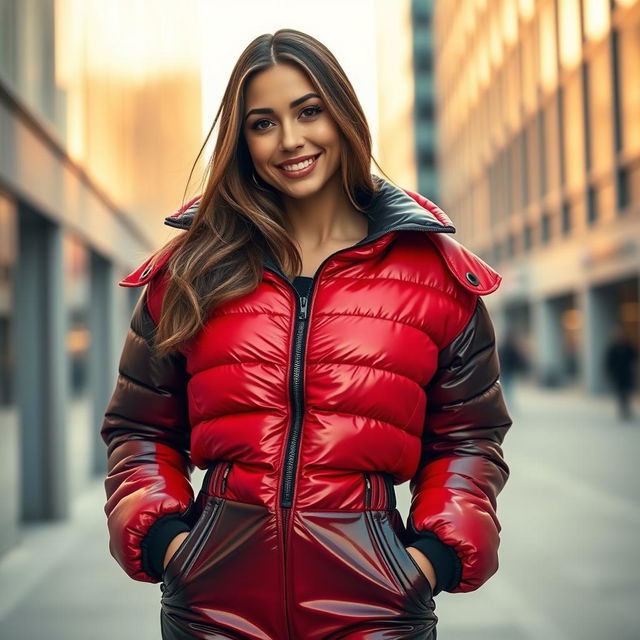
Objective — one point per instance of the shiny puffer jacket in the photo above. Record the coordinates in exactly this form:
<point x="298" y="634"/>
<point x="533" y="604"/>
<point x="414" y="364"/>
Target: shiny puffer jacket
<point x="306" y="411"/>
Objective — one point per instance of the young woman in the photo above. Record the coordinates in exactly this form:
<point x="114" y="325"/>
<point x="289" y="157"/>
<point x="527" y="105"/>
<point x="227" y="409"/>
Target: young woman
<point x="312" y="339"/>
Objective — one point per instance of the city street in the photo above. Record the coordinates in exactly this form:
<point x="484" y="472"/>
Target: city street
<point x="568" y="559"/>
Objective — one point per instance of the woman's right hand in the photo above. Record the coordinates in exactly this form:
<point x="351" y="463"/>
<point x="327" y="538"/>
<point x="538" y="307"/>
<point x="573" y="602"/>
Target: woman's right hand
<point x="173" y="545"/>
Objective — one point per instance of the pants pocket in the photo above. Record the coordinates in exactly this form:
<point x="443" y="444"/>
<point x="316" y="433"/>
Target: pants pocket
<point x="190" y="549"/>
<point x="406" y="570"/>
<point x="226" y="583"/>
<point x="346" y="571"/>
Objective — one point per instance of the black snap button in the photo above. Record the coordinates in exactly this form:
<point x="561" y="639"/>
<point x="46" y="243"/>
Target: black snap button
<point x="146" y="272"/>
<point x="472" y="278"/>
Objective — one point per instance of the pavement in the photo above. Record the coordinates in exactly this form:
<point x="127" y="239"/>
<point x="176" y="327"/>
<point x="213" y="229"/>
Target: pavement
<point x="570" y="516"/>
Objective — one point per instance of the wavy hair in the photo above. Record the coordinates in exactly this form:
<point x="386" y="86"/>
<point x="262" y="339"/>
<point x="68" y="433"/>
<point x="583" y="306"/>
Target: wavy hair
<point x="240" y="217"/>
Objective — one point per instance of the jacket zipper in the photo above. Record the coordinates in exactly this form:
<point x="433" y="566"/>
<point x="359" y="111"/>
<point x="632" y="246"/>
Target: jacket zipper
<point x="303" y="305"/>
<point x="296" y="384"/>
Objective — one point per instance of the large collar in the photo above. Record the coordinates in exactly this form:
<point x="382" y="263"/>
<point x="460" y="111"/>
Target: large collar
<point x="391" y="209"/>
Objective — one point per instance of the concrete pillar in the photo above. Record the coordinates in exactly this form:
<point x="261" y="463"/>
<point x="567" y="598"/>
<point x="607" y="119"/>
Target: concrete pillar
<point x="42" y="369"/>
<point x="547" y="335"/>
<point x="102" y="371"/>
<point x="599" y="316"/>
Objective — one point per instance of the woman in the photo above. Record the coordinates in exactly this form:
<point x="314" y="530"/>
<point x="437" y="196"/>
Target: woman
<point x="312" y="339"/>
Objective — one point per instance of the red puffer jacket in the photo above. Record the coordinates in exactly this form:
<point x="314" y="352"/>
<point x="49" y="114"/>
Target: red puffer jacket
<point x="306" y="411"/>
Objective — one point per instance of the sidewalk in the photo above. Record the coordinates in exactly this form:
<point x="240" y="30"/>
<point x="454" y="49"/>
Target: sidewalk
<point x="62" y="584"/>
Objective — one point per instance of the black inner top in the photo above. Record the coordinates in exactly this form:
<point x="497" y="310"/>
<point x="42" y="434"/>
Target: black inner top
<point x="302" y="284"/>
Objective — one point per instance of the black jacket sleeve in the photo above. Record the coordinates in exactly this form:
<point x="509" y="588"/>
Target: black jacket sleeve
<point x="147" y="433"/>
<point x="462" y="469"/>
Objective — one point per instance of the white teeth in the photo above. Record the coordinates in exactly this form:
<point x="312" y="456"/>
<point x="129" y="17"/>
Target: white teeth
<point x="300" y="165"/>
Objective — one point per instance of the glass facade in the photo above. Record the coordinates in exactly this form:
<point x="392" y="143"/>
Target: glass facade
<point x="551" y="104"/>
<point x="555" y="87"/>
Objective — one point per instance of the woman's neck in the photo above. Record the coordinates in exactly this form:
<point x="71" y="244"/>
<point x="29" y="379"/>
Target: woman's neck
<point x="325" y="217"/>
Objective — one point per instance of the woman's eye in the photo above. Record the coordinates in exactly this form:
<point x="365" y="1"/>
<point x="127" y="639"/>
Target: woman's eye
<point x="309" y="111"/>
<point x="314" y="109"/>
<point x="256" y="123"/>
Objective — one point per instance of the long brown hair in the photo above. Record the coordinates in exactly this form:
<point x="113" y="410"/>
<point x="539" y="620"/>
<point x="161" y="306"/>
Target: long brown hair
<point x="240" y="216"/>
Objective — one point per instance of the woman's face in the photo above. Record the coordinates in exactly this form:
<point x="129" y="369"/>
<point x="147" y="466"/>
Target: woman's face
<point x="285" y="119"/>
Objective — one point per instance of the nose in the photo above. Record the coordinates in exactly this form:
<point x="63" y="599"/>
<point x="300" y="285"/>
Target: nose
<point x="291" y="137"/>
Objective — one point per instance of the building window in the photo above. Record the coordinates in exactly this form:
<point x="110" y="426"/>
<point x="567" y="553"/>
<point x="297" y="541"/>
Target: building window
<point x="524" y="187"/>
<point x="529" y="66"/>
<point x="597" y="18"/>
<point x="493" y="193"/>
<point x="548" y="48"/>
<point x="508" y="179"/>
<point x="545" y="224"/>
<point x="533" y="157"/>
<point x="515" y="158"/>
<point x="628" y="59"/>
<point x="588" y="134"/>
<point x="425" y="110"/>
<point x="573" y="132"/>
<point x="599" y="103"/>
<point x="513" y="88"/>
<point x="497" y="253"/>
<point x="570" y="33"/>
<point x="628" y="186"/>
<point x="592" y="211"/>
<point x="565" y="218"/>
<point x="526" y="237"/>
<point x="551" y="147"/>
<point x="426" y="157"/>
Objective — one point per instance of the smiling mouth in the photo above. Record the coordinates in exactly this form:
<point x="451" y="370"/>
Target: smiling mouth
<point x="299" y="166"/>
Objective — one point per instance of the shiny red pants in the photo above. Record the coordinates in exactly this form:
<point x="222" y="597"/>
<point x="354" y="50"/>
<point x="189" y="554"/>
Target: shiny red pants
<point x="341" y="575"/>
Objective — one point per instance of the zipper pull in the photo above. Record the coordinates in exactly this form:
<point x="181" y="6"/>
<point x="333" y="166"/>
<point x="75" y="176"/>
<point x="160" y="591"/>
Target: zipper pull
<point x="303" y="308"/>
<point x="224" y="478"/>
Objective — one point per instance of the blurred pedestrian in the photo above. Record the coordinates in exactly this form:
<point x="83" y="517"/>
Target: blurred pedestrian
<point x="512" y="363"/>
<point x="619" y="363"/>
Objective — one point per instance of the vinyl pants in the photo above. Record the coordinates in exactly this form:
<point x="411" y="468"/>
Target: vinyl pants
<point x="338" y="575"/>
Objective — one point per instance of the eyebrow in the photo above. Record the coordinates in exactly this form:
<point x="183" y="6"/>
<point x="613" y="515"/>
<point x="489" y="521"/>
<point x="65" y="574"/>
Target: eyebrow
<point x="293" y="104"/>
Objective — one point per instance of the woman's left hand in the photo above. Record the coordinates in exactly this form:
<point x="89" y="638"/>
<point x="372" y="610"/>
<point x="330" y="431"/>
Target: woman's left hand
<point x="425" y="564"/>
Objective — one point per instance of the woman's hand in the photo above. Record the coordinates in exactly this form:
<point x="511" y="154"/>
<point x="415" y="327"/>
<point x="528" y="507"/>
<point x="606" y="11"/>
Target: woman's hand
<point x="425" y="564"/>
<point x="173" y="545"/>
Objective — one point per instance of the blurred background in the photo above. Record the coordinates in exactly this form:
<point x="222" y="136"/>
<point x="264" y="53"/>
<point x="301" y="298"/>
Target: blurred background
<point x="520" y="118"/>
